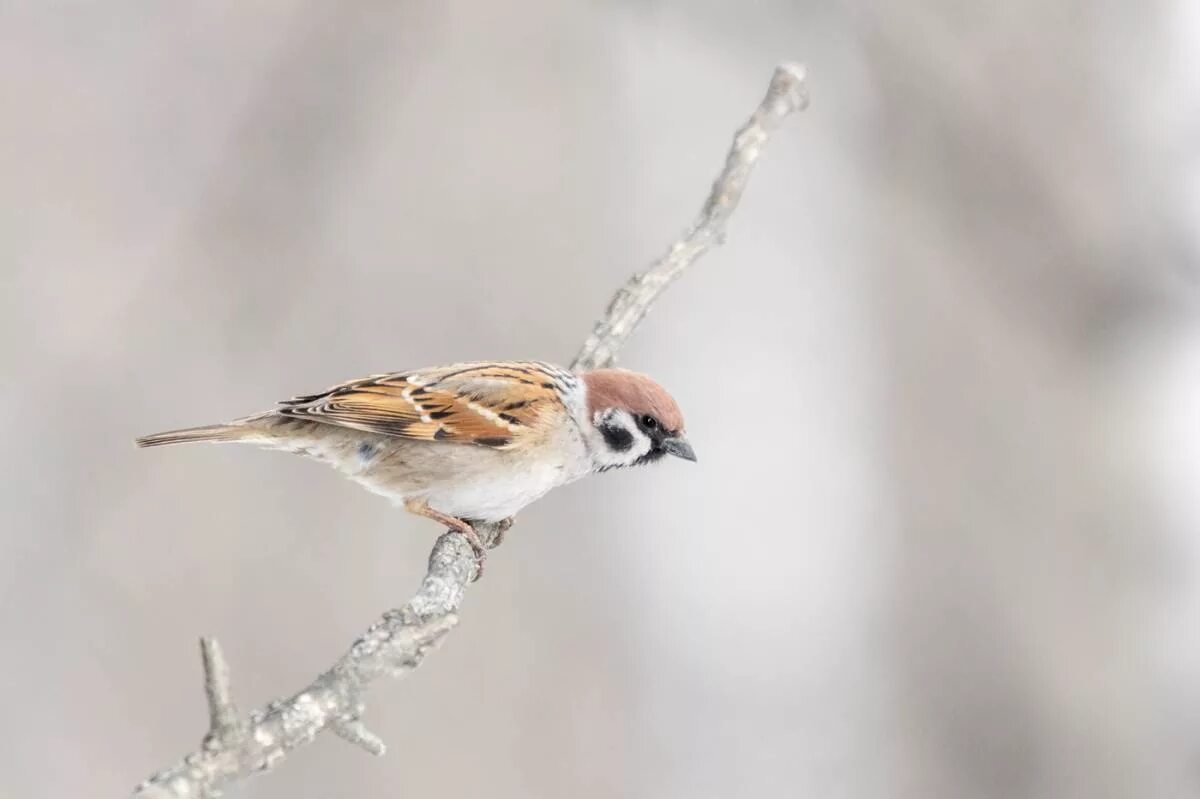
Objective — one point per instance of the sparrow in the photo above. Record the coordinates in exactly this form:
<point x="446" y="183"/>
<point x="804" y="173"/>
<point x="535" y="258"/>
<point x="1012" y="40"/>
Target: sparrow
<point x="469" y="442"/>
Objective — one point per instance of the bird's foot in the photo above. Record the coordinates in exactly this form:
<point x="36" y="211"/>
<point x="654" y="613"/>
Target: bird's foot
<point x="458" y="525"/>
<point x="472" y="536"/>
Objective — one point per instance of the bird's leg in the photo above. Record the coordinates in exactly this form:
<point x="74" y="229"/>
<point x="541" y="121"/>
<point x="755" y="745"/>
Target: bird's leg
<point x="421" y="508"/>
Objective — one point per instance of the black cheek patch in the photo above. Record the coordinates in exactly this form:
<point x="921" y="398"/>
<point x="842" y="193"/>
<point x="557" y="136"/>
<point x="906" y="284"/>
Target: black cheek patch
<point x="618" y="438"/>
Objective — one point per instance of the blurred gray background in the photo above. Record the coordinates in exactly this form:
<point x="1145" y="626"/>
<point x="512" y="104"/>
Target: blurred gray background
<point x="947" y="366"/>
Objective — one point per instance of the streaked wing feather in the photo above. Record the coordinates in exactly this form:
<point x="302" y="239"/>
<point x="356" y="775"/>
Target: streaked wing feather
<point x="490" y="404"/>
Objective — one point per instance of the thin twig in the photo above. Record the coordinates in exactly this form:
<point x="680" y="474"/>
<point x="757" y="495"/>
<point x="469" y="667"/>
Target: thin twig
<point x="223" y="722"/>
<point x="353" y="731"/>
<point x="786" y="94"/>
<point x="234" y="749"/>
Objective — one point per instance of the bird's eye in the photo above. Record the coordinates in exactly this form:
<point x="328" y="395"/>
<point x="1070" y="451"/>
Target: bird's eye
<point x="649" y="422"/>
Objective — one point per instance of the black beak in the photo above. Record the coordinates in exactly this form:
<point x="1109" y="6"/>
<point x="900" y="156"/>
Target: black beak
<point x="679" y="448"/>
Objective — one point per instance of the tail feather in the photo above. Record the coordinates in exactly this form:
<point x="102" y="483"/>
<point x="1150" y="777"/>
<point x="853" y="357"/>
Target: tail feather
<point x="212" y="432"/>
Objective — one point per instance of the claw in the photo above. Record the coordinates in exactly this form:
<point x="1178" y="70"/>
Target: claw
<point x="476" y="543"/>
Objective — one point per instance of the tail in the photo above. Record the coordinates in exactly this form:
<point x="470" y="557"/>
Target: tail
<point x="212" y="432"/>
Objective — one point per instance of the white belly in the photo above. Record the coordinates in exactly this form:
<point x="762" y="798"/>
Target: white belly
<point x="493" y="497"/>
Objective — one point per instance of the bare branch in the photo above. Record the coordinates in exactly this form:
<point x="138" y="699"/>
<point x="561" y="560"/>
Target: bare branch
<point x="394" y="645"/>
<point x="786" y="94"/>
<point x="235" y="749"/>
<point x="353" y="731"/>
<point x="222" y="712"/>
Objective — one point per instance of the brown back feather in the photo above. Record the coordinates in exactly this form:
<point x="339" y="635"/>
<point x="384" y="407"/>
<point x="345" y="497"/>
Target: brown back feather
<point x="490" y="404"/>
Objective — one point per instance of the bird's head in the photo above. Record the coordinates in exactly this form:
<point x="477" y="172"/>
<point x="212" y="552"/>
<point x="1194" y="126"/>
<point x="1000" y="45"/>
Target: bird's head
<point x="634" y="420"/>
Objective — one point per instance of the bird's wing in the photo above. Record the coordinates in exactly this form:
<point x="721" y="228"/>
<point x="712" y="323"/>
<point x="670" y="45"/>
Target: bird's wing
<point x="490" y="404"/>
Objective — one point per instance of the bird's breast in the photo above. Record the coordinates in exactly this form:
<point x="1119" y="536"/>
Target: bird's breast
<point x="468" y="481"/>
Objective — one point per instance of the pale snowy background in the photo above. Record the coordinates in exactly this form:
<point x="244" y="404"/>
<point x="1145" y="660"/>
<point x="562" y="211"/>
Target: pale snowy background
<point x="948" y="364"/>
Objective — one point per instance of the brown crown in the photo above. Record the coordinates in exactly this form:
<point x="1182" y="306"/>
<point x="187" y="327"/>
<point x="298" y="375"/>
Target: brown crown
<point x="634" y="392"/>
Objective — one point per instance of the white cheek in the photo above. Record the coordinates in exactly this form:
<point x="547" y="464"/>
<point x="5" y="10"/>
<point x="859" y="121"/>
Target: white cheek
<point x="641" y="445"/>
<point x="603" y="456"/>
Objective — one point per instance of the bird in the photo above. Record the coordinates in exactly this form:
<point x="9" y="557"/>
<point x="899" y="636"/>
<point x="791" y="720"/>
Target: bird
<point x="468" y="443"/>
